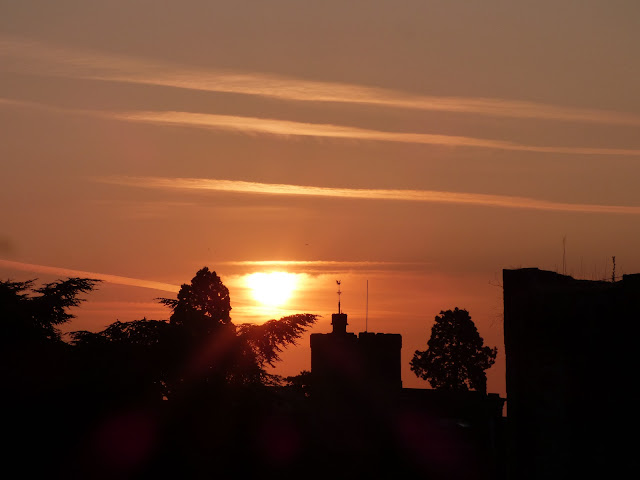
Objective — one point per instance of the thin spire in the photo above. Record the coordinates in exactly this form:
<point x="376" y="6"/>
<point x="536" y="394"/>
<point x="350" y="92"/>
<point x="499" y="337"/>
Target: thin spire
<point x="339" y="293"/>
<point x="564" y="255"/>
<point x="613" y="273"/>
<point x="366" y="317"/>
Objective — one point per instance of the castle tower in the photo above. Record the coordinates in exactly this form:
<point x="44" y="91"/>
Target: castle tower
<point x="339" y="320"/>
<point x="341" y="361"/>
<point x="339" y="323"/>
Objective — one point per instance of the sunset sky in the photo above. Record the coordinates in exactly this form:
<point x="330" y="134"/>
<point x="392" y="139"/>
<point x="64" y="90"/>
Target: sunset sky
<point x="420" y="146"/>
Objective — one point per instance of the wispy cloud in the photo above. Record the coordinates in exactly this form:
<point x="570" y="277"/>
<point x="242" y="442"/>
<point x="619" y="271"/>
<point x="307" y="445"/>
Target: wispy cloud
<point x="67" y="272"/>
<point x="427" y="196"/>
<point x="285" y="127"/>
<point x="322" y="266"/>
<point x="312" y="263"/>
<point x="37" y="58"/>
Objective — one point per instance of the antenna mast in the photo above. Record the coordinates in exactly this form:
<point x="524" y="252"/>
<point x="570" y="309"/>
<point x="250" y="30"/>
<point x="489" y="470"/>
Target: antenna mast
<point x="613" y="273"/>
<point x="339" y="293"/>
<point x="366" y="317"/>
<point x="564" y="253"/>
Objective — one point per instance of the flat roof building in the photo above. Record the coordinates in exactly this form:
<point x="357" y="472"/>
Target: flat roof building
<point x="571" y="364"/>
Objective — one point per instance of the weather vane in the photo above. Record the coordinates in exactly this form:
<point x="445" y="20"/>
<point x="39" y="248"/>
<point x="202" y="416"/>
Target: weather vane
<point x="339" y="293"/>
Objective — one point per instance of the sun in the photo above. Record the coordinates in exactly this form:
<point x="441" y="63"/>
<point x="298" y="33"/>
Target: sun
<point x="272" y="289"/>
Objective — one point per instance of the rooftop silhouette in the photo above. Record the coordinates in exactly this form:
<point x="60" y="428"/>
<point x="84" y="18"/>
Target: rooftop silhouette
<point x="191" y="397"/>
<point x="570" y="356"/>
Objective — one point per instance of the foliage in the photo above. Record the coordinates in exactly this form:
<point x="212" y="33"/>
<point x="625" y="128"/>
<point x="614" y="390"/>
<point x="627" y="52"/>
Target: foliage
<point x="215" y="351"/>
<point x="268" y="339"/>
<point x="137" y="332"/>
<point x="127" y="359"/>
<point x="301" y="382"/>
<point x="96" y="399"/>
<point x="456" y="358"/>
<point x="199" y="350"/>
<point x="35" y="318"/>
<point x="201" y="306"/>
<point x="35" y="364"/>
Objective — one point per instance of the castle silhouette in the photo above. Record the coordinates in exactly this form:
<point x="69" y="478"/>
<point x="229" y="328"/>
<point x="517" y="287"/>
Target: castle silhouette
<point x="364" y="415"/>
<point x="570" y="358"/>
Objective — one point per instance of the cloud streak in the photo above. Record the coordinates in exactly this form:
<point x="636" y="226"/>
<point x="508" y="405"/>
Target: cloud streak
<point x="67" y="272"/>
<point x="36" y="58"/>
<point x="285" y="128"/>
<point x="313" y="263"/>
<point x="423" y="196"/>
<point x="324" y="266"/>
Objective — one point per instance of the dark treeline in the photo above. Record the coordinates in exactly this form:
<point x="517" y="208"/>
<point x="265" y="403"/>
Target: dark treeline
<point x="189" y="396"/>
<point x="192" y="397"/>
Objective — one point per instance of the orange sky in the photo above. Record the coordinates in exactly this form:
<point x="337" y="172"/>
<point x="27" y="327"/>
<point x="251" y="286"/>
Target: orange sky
<point x="422" y="146"/>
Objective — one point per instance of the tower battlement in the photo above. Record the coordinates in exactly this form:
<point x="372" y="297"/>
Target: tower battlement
<point x="341" y="359"/>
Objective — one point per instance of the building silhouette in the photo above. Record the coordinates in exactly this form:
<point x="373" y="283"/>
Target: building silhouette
<point x="362" y="416"/>
<point x="341" y="359"/>
<point x="570" y="374"/>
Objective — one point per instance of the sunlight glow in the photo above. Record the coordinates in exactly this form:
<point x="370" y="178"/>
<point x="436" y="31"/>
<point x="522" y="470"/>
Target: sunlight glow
<point x="272" y="289"/>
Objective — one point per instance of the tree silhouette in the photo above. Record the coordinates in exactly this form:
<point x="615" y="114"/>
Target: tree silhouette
<point x="267" y="340"/>
<point x="209" y="347"/>
<point x="456" y="358"/>
<point x="203" y="305"/>
<point x="125" y="360"/>
<point x="29" y="318"/>
<point x="36" y="365"/>
<point x="34" y="361"/>
<point x="301" y="382"/>
<point x="198" y="354"/>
